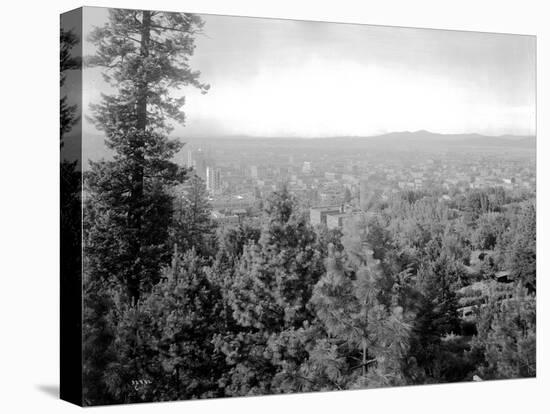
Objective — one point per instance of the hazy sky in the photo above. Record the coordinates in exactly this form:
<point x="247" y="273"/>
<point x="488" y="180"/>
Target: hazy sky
<point x="308" y="79"/>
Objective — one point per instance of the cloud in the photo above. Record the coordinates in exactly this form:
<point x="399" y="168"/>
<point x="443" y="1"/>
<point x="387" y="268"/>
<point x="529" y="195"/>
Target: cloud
<point x="305" y="79"/>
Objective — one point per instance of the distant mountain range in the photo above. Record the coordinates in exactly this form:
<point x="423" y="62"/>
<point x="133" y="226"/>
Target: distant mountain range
<point x="434" y="135"/>
<point x="477" y="139"/>
<point x="94" y="147"/>
<point x="406" y="136"/>
<point x="393" y="140"/>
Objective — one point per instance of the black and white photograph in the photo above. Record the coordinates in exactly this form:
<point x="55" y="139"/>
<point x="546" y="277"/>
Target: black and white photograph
<point x="291" y="206"/>
<point x="279" y="206"/>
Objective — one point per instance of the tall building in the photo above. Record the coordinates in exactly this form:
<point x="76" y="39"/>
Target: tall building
<point x="306" y="169"/>
<point x="213" y="180"/>
<point x="254" y="171"/>
<point x="197" y="160"/>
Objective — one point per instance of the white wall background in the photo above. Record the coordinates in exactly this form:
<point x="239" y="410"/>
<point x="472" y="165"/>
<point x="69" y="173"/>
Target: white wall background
<point x="29" y="241"/>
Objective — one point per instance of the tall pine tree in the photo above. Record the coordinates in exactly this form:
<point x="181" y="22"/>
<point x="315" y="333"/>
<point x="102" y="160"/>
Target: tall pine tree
<point x="146" y="59"/>
<point x="269" y="297"/>
<point x="522" y="260"/>
<point x="506" y="340"/>
<point x="368" y="336"/>
<point x="129" y="208"/>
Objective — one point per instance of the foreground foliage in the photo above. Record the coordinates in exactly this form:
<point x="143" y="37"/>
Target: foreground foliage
<point x="177" y="307"/>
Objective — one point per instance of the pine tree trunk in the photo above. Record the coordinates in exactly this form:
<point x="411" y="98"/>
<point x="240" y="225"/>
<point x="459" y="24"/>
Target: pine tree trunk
<point x="142" y="87"/>
<point x="364" y="358"/>
<point x="136" y="203"/>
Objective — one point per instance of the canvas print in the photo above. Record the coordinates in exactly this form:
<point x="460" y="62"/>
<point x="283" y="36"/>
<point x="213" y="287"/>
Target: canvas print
<point x="256" y="206"/>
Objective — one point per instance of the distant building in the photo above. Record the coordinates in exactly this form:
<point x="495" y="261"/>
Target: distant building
<point x="306" y="168"/>
<point x="318" y="215"/>
<point x="189" y="159"/>
<point x="331" y="216"/>
<point x="197" y="161"/>
<point x="335" y="221"/>
<point x="221" y="218"/>
<point x="213" y="180"/>
<point x="254" y="171"/>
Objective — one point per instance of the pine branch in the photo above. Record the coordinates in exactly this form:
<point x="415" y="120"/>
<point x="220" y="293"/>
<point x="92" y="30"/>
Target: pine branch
<point x="365" y="364"/>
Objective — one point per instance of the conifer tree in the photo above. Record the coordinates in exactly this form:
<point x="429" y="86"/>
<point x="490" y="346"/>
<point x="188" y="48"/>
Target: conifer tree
<point x="372" y="337"/>
<point x="193" y="227"/>
<point x="67" y="61"/>
<point x="70" y="211"/>
<point x="129" y="208"/>
<point x="269" y="297"/>
<point x="277" y="275"/>
<point x="232" y="240"/>
<point x="523" y="255"/>
<point x="436" y="317"/>
<point x="70" y="175"/>
<point x="506" y="336"/>
<point x="173" y="346"/>
<point x="145" y="55"/>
